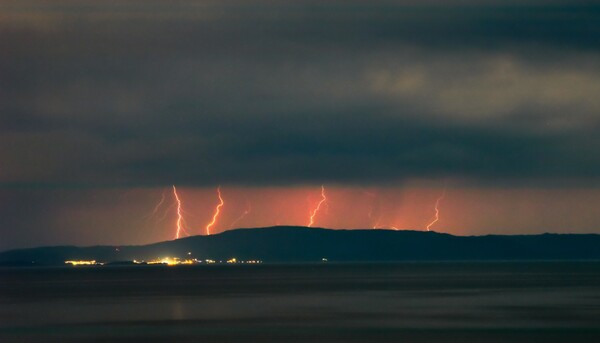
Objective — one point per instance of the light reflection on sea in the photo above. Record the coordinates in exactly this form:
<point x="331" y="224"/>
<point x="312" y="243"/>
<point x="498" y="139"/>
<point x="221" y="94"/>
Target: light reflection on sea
<point x="411" y="302"/>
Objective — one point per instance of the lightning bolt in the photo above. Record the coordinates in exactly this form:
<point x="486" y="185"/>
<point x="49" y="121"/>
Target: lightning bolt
<point x="437" y="210"/>
<point x="217" y="211"/>
<point x="162" y="200"/>
<point x="372" y="207"/>
<point x="316" y="209"/>
<point x="156" y="207"/>
<point x="180" y="221"/>
<point x="244" y="214"/>
<point x="165" y="214"/>
<point x="373" y="202"/>
<point x="376" y="226"/>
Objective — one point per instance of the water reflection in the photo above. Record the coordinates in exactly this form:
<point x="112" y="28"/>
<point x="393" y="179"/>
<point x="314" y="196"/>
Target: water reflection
<point x="410" y="302"/>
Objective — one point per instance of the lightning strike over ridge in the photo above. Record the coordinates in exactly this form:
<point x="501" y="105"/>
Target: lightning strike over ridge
<point x="162" y="200"/>
<point x="217" y="211"/>
<point x="437" y="210"/>
<point x="156" y="207"/>
<point x="376" y="225"/>
<point x="314" y="212"/>
<point x="179" y="222"/>
<point x="166" y="213"/>
<point x="244" y="214"/>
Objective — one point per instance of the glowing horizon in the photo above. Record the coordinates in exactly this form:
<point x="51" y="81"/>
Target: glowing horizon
<point x="312" y="215"/>
<point x="132" y="215"/>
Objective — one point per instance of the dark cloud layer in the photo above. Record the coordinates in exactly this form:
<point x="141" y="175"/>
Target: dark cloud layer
<point x="100" y="96"/>
<point x="149" y="93"/>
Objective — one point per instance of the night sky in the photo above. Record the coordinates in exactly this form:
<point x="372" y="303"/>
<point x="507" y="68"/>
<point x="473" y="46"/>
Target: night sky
<point x="104" y="105"/>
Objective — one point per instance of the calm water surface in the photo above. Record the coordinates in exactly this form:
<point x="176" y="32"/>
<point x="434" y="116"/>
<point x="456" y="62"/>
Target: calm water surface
<point x="407" y="302"/>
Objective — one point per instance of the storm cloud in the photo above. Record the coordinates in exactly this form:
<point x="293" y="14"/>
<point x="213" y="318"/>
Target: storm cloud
<point x="149" y="93"/>
<point x="105" y="104"/>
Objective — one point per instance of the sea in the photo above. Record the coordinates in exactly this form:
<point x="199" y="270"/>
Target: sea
<point x="327" y="302"/>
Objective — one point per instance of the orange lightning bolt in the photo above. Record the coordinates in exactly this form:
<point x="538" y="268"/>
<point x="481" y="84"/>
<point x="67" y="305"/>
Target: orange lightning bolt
<point x="314" y="212"/>
<point x="217" y="211"/>
<point x="372" y="208"/>
<point x="162" y="200"/>
<point x="437" y="210"/>
<point x="165" y="214"/>
<point x="244" y="214"/>
<point x="376" y="226"/>
<point x="179" y="222"/>
<point x="157" y="207"/>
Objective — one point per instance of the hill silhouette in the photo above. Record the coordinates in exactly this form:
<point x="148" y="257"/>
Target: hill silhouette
<point x="285" y="244"/>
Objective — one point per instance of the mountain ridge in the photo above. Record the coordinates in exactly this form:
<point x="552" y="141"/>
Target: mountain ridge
<point x="302" y="244"/>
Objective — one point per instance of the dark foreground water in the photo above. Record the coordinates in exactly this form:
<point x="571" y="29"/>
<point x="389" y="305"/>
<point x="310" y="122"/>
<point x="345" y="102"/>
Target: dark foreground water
<point x="410" y="302"/>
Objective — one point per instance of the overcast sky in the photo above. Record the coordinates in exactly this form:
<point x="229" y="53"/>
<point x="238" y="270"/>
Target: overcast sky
<point x="104" y="96"/>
